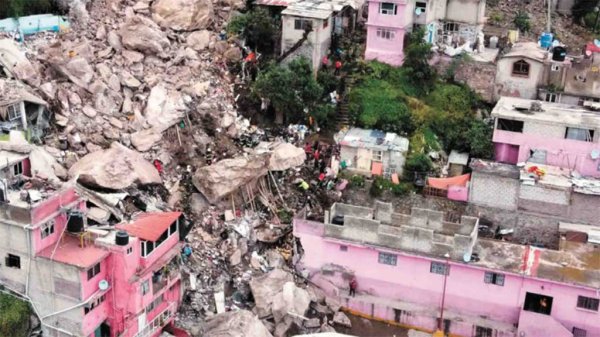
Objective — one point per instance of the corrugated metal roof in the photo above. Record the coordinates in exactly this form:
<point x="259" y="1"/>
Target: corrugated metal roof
<point x="150" y="226"/>
<point x="460" y="158"/>
<point x="374" y="139"/>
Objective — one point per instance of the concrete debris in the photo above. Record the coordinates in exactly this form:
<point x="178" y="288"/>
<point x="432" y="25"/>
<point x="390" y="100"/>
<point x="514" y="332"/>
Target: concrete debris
<point x="142" y="34"/>
<point x="115" y="168"/>
<point x="265" y="288"/>
<point x="199" y="40"/>
<point x="291" y="300"/>
<point x="342" y="319"/>
<point x="185" y="15"/>
<point x="15" y="63"/>
<point x="241" y="323"/>
<point x="220" y="179"/>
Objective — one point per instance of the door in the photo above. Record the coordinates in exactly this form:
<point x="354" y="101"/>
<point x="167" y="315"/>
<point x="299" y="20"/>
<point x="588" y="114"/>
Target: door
<point x="363" y="160"/>
<point x="142" y="321"/>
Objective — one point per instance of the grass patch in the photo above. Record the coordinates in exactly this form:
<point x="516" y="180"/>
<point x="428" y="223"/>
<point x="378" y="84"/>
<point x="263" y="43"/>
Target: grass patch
<point x="14" y="316"/>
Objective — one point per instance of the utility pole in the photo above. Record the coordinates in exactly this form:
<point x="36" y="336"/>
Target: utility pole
<point x="548" y="19"/>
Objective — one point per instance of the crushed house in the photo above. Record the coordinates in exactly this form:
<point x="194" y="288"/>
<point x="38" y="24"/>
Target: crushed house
<point x="448" y="22"/>
<point x="547" y="133"/>
<point x="20" y="109"/>
<point x="325" y="20"/>
<point x="85" y="280"/>
<point x="372" y="152"/>
<point x="408" y="266"/>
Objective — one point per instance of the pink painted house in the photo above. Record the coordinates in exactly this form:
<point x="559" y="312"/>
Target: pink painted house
<point x="492" y="288"/>
<point x="385" y="31"/>
<point x="556" y="134"/>
<point x="84" y="280"/>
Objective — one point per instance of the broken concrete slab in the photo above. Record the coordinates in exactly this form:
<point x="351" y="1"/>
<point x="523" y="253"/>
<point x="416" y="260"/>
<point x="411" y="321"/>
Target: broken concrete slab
<point x="291" y="300"/>
<point x="266" y="287"/>
<point x="342" y="319"/>
<point x="241" y="323"/>
<point x="185" y="15"/>
<point x="13" y="60"/>
<point x="115" y="168"/>
<point x="226" y="176"/>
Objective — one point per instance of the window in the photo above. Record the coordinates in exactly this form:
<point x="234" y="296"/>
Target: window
<point x="93" y="304"/>
<point x="510" y="125"/>
<point x="390" y="259"/>
<point x="554" y="67"/>
<point x="387" y="8"/>
<point x="439" y="268"/>
<point x="326" y="23"/>
<point x="550" y="97"/>
<point x="344" y="248"/>
<point x="173" y="228"/>
<point x="588" y="303"/>
<point x="386" y="34"/>
<point x="18" y="168"/>
<point x="585" y="135"/>
<point x="154" y="304"/>
<point x="300" y="24"/>
<point x="14" y="112"/>
<point x="145" y="286"/>
<point x="481" y="331"/>
<point x="13" y="261"/>
<point x="129" y="250"/>
<point x="95" y="270"/>
<point x="378" y="156"/>
<point x="538" y="303"/>
<point x="579" y="332"/>
<point x="146" y="247"/>
<point x="422" y="6"/>
<point x="451" y="27"/>
<point x="520" y="68"/>
<point x="494" y="278"/>
<point x="47" y="229"/>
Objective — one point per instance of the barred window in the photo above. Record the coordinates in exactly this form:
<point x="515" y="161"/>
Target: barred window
<point x="390" y="259"/>
<point x="494" y="278"/>
<point x="439" y="268"/>
<point x="588" y="303"/>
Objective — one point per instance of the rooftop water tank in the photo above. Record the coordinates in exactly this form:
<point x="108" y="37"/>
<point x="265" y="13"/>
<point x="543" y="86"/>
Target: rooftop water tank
<point x="121" y="238"/>
<point x="75" y="222"/>
<point x="546" y="40"/>
<point x="559" y="54"/>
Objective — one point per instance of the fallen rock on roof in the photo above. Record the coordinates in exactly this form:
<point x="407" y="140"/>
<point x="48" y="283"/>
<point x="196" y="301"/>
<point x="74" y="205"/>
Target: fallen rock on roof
<point x="115" y="168"/>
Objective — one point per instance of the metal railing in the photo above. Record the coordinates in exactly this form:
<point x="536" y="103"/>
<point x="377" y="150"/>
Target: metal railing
<point x="158" y="322"/>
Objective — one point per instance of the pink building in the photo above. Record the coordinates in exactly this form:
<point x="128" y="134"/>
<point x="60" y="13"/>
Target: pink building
<point x="492" y="288"/>
<point x="385" y="31"/>
<point x="85" y="280"/>
<point x="554" y="134"/>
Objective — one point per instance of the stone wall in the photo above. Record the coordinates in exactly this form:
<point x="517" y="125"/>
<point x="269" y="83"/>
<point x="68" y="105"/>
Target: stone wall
<point x="493" y="191"/>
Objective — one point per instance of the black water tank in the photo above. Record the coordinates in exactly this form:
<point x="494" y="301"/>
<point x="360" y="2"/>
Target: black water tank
<point x="122" y="238"/>
<point x="75" y="224"/>
<point x="338" y="220"/>
<point x="559" y="54"/>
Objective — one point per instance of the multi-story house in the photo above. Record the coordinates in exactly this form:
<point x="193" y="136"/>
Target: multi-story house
<point x="421" y="270"/>
<point x="84" y="280"/>
<point x="555" y="134"/>
<point x="449" y="22"/>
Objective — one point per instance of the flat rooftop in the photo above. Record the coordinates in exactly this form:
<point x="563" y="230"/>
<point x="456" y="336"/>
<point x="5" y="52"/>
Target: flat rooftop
<point x="71" y="251"/>
<point x="514" y="108"/>
<point x="426" y="233"/>
<point x="372" y="139"/>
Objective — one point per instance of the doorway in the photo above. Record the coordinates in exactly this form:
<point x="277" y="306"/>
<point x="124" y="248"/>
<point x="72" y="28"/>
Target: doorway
<point x="541" y="304"/>
<point x="103" y="330"/>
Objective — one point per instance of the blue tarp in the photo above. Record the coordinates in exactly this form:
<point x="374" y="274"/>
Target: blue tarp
<point x="34" y="24"/>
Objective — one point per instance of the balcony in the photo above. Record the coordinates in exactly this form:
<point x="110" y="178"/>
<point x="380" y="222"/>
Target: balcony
<point x="159" y="321"/>
<point x="165" y="275"/>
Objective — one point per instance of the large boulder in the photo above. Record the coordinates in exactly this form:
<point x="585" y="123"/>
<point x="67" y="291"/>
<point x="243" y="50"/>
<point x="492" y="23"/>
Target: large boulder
<point x="241" y="323"/>
<point x="292" y="300"/>
<point x="115" y="168"/>
<point x="142" y="34"/>
<point x="199" y="40"/>
<point x="283" y="155"/>
<point x="13" y="60"/>
<point x="226" y="176"/>
<point x="265" y="288"/>
<point x="183" y="14"/>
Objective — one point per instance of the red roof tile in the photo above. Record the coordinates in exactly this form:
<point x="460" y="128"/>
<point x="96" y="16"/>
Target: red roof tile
<point x="70" y="252"/>
<point x="150" y="226"/>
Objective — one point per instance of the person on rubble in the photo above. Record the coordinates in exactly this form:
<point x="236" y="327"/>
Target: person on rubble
<point x="338" y="67"/>
<point x="353" y="286"/>
<point x="186" y="252"/>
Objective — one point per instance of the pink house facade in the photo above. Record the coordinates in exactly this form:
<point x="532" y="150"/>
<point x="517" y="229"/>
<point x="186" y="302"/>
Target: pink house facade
<point x="385" y="31"/>
<point x="558" y="135"/>
<point x="400" y="262"/>
<point x="83" y="280"/>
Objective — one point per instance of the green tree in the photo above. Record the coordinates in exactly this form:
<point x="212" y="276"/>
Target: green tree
<point x="479" y="137"/>
<point x="257" y="27"/>
<point x="14" y="316"/>
<point x="581" y="8"/>
<point x="290" y="89"/>
<point x="522" y="21"/>
<point x="416" y="62"/>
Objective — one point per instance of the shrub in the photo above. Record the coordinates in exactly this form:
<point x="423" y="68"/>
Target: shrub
<point x="14" y="316"/>
<point x="402" y="189"/>
<point x="357" y="181"/>
<point x="522" y="21"/>
<point x="379" y="185"/>
<point x="418" y="162"/>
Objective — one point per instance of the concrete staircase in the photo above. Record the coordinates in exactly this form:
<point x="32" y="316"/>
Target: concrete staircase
<point x="343" y="109"/>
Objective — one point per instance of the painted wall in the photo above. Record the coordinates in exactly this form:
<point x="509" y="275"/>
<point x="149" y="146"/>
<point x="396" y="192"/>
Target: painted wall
<point x="410" y="286"/>
<point x="317" y="44"/>
<point x="566" y="153"/>
<point x="466" y="11"/>
<point x="52" y="206"/>
<point x="508" y="84"/>
<point x="386" y="50"/>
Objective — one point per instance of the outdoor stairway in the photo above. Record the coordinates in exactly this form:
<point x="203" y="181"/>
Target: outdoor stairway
<point x="343" y="110"/>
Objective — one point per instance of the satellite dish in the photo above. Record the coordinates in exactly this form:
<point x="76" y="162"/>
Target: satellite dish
<point x="467" y="257"/>
<point x="418" y="11"/>
<point x="103" y="285"/>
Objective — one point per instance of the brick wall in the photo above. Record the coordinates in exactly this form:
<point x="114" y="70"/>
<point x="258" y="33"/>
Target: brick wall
<point x="493" y="191"/>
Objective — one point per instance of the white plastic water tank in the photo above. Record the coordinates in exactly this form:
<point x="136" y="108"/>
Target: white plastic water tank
<point x="494" y="42"/>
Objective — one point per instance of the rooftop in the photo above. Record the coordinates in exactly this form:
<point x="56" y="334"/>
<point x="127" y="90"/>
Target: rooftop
<point x="460" y="158"/>
<point x="318" y="9"/>
<point x="495" y="168"/>
<point x="150" y="226"/>
<point x="372" y="139"/>
<point x="550" y="113"/>
<point x="12" y="91"/>
<point x="530" y="50"/>
<point x="425" y="232"/>
<point x="70" y="251"/>
<point x="583" y="77"/>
